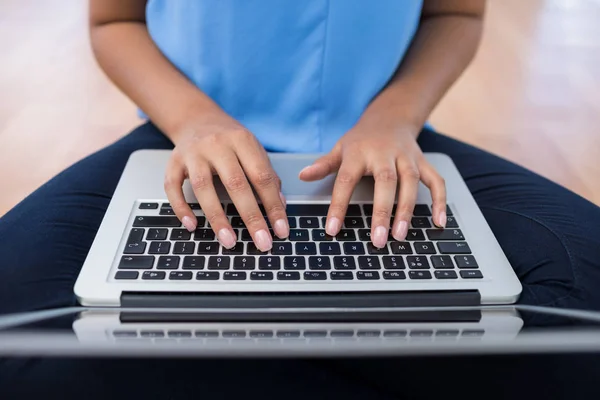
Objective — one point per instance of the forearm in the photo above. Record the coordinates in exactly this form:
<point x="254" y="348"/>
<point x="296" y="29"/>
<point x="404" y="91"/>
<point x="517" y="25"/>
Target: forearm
<point x="442" y="48"/>
<point x="132" y="61"/>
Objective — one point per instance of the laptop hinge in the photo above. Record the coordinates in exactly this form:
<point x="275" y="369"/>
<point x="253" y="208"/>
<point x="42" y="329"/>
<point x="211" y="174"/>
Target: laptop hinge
<point x="306" y="300"/>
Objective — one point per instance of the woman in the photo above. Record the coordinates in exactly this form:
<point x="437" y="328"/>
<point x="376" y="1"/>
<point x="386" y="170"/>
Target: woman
<point x="223" y="79"/>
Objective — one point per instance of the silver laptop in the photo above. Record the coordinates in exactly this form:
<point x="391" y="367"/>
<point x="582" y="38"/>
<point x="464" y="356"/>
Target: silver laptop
<point x="143" y="257"/>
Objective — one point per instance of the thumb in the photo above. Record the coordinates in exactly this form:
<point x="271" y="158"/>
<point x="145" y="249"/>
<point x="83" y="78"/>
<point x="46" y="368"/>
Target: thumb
<point x="322" y="167"/>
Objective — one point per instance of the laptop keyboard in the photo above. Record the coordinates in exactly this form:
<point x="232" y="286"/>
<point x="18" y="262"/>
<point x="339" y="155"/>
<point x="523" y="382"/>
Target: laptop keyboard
<point x="158" y="248"/>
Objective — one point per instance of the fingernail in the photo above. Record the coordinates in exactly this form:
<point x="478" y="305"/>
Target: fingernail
<point x="282" y="197"/>
<point x="442" y="219"/>
<point x="401" y="231"/>
<point x="380" y="237"/>
<point x="333" y="226"/>
<point x="226" y="238"/>
<point x="189" y="223"/>
<point x="305" y="169"/>
<point x="263" y="240"/>
<point x="281" y="228"/>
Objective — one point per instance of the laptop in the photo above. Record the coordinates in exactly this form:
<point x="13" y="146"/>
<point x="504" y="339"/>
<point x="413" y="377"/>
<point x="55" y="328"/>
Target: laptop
<point x="143" y="257"/>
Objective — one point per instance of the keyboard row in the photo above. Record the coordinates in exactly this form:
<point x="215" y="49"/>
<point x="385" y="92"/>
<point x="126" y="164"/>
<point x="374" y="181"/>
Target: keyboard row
<point x="296" y="276"/>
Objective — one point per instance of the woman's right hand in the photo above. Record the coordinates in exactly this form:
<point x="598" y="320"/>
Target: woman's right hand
<point x="219" y="145"/>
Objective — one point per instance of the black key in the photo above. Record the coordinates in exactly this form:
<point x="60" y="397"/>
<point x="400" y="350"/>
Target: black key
<point x="152" y="334"/>
<point x="288" y="276"/>
<point x="261" y="334"/>
<point x="294" y="263"/>
<point x="342" y="333"/>
<point x="235" y="250"/>
<point x="136" y="262"/>
<point x="394" y="275"/>
<point x="306" y="248"/>
<point x="341" y="275"/>
<point x="364" y="235"/>
<point x="368" y="262"/>
<point x="401" y="248"/>
<point x="465" y="262"/>
<point x="354" y="222"/>
<point x="281" y="249"/>
<point x="451" y="222"/>
<point x="166" y="205"/>
<point x="354" y="248"/>
<point x="444" y="234"/>
<point x="180" y="334"/>
<point x="368" y="209"/>
<point x="319" y="263"/>
<point x="180" y="275"/>
<point x="344" y="263"/>
<point x="180" y="234"/>
<point x="307" y="210"/>
<point x="422" y="210"/>
<point x="231" y="210"/>
<point x="148" y="206"/>
<point x="234" y="276"/>
<point x="319" y="235"/>
<point x="421" y="333"/>
<point x="159" y="248"/>
<point x="448" y="210"/>
<point x="447" y="333"/>
<point x="243" y="263"/>
<point x="419" y="274"/>
<point x="394" y="333"/>
<point x="194" y="206"/>
<point x="135" y="248"/>
<point x="261" y="276"/>
<point x="367" y="275"/>
<point x="299" y="235"/>
<point x="184" y="248"/>
<point x="207" y="276"/>
<point x="124" y="334"/>
<point x="353" y="210"/>
<point x="454" y="248"/>
<point x="200" y="221"/>
<point x="417" y="262"/>
<point x="329" y="248"/>
<point x="415" y="234"/>
<point x="473" y="333"/>
<point x="315" y="334"/>
<point x="157" y="234"/>
<point x="424" y="248"/>
<point x="207" y="334"/>
<point x="346" y="235"/>
<point x="153" y="275"/>
<point x="126" y="275"/>
<point x="374" y="250"/>
<point x="288" y="334"/>
<point x="246" y="237"/>
<point x="420" y="222"/>
<point x="237" y="222"/>
<point x="269" y="263"/>
<point x="208" y="248"/>
<point x="309" y="222"/>
<point x="253" y="250"/>
<point x="136" y="235"/>
<point x="166" y="211"/>
<point x="218" y="262"/>
<point x="393" y="262"/>
<point x="292" y="222"/>
<point x="368" y="334"/>
<point x="369" y="221"/>
<point x="275" y="237"/>
<point x="196" y="262"/>
<point x="441" y="274"/>
<point x="168" y="262"/>
<point x="442" y="262"/>
<point x="204" y="234"/>
<point x="315" y="275"/>
<point x="471" y="274"/>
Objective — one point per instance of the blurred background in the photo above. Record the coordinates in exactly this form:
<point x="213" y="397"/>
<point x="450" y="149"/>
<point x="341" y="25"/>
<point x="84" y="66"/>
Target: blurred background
<point x="532" y="95"/>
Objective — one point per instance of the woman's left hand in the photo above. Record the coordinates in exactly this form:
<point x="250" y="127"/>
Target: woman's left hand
<point x="392" y="156"/>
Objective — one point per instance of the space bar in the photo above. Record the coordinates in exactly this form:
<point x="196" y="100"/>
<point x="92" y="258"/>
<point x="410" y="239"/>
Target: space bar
<point x="307" y="210"/>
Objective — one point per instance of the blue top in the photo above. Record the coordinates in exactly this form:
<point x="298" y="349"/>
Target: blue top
<point x="297" y="73"/>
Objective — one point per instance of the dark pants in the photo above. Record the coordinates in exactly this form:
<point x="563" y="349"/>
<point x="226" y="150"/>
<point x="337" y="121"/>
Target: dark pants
<point x="551" y="236"/>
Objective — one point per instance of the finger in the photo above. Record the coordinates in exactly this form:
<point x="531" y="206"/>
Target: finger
<point x="234" y="179"/>
<point x="386" y="183"/>
<point x="265" y="181"/>
<point x="174" y="177"/>
<point x="328" y="164"/>
<point x="437" y="186"/>
<point x="348" y="177"/>
<point x="407" y="197"/>
<point x="201" y="179"/>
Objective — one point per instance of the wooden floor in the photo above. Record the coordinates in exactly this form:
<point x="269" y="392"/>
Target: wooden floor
<point x="532" y="95"/>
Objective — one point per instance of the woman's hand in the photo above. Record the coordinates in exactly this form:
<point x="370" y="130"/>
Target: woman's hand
<point x="217" y="144"/>
<point x="392" y="156"/>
